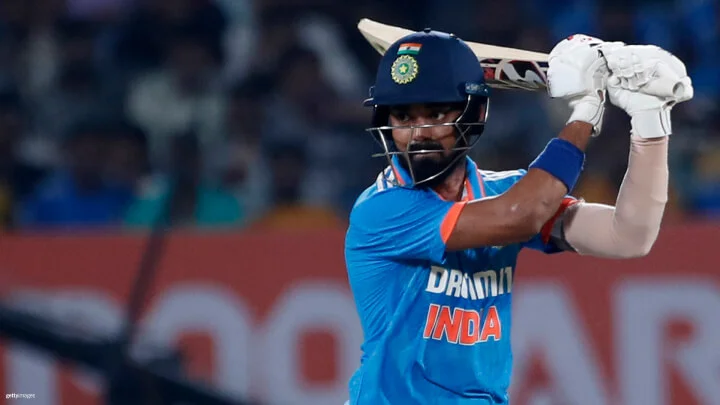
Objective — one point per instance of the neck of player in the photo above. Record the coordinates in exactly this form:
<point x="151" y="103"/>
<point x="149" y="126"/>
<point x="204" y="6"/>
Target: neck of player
<point x="452" y="188"/>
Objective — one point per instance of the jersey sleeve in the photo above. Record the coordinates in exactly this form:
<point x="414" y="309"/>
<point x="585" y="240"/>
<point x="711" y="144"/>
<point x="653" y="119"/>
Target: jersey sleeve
<point x="550" y="239"/>
<point x="403" y="224"/>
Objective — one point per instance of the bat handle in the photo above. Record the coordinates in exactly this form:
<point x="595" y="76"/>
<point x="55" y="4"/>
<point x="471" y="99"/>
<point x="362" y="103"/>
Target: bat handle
<point x="667" y="84"/>
<point x="665" y="88"/>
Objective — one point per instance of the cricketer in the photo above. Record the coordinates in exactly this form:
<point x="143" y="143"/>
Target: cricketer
<point x="432" y="245"/>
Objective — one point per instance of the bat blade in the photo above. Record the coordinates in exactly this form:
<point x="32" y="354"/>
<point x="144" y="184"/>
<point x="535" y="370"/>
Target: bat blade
<point x="505" y="68"/>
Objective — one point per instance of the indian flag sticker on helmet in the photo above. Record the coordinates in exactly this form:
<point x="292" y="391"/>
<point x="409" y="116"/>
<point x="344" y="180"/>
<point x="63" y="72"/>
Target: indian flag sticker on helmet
<point x="409" y="48"/>
<point x="404" y="69"/>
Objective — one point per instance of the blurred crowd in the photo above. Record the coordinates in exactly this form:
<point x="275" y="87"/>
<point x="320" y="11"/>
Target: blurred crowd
<point x="248" y="113"/>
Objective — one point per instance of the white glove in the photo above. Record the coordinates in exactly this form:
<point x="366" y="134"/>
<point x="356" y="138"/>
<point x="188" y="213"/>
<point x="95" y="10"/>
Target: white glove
<point x="645" y="68"/>
<point x="646" y="81"/>
<point x="578" y="73"/>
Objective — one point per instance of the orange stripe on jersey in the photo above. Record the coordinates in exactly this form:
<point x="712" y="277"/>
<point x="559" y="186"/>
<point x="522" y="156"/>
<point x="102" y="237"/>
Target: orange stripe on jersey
<point x="567" y="202"/>
<point x="448" y="224"/>
<point x="468" y="190"/>
<point x="482" y="185"/>
<point x="398" y="177"/>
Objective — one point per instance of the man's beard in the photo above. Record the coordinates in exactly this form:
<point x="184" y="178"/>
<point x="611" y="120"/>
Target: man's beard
<point x="424" y="167"/>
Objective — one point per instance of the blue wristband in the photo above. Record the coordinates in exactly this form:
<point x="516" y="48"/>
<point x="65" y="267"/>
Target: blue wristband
<point x="563" y="160"/>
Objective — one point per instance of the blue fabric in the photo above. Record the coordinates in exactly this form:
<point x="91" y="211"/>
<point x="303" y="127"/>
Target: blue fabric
<point x="436" y="323"/>
<point x="59" y="203"/>
<point x="563" y="160"/>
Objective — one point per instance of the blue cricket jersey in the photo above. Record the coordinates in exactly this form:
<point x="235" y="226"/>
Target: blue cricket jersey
<point x="436" y="324"/>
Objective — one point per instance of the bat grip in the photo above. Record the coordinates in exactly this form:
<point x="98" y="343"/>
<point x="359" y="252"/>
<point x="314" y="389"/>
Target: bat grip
<point x="665" y="88"/>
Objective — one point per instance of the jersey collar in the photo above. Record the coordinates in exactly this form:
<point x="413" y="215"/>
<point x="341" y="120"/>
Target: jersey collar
<point x="474" y="186"/>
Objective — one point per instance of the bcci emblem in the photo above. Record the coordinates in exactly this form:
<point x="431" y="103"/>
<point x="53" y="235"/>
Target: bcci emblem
<point x="404" y="69"/>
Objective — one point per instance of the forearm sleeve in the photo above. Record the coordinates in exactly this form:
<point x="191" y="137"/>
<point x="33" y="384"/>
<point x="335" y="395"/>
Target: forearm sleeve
<point x="631" y="227"/>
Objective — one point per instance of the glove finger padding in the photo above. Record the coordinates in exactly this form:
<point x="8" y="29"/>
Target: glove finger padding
<point x="649" y="107"/>
<point x="667" y="84"/>
<point x="578" y="73"/>
<point x="649" y="69"/>
<point x="572" y="67"/>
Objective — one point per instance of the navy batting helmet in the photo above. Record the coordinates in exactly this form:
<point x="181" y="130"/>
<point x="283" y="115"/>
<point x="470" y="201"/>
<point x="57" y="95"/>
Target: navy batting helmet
<point x="429" y="67"/>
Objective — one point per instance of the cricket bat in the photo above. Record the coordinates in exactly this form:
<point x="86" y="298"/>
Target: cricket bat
<point x="511" y="68"/>
<point x="505" y="68"/>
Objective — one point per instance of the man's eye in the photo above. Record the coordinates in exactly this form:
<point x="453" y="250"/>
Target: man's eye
<point x="439" y="115"/>
<point x="402" y="117"/>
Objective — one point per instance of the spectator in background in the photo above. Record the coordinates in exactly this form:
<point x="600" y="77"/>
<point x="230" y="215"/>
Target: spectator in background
<point x="704" y="190"/>
<point x="78" y="195"/>
<point x="241" y="163"/>
<point x="183" y="196"/>
<point x="306" y="102"/>
<point x="32" y="32"/>
<point x="127" y="162"/>
<point x="143" y="38"/>
<point x="706" y="193"/>
<point x="185" y="95"/>
<point x="17" y="179"/>
<point x="80" y="89"/>
<point x="167" y="64"/>
<point x="12" y="17"/>
<point x="288" y="168"/>
<point x="239" y="39"/>
<point x="284" y="27"/>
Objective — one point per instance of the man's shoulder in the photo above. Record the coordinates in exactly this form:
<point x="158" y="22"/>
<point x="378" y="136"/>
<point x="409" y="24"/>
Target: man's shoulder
<point x="380" y="205"/>
<point x="386" y="206"/>
<point x="384" y="192"/>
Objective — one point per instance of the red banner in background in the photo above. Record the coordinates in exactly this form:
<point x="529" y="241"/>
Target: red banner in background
<point x="271" y="316"/>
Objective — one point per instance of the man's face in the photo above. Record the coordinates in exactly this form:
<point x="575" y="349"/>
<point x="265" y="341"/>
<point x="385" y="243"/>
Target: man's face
<point x="440" y="138"/>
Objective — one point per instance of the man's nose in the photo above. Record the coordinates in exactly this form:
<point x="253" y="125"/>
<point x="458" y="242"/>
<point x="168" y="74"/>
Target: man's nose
<point x="421" y="130"/>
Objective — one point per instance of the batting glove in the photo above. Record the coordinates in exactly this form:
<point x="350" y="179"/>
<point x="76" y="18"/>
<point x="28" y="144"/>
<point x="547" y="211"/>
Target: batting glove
<point x="647" y="82"/>
<point x="578" y="73"/>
